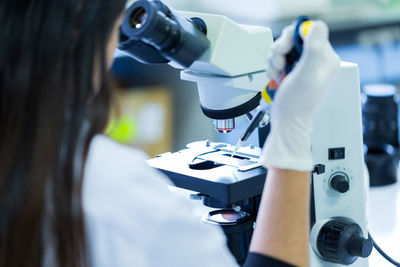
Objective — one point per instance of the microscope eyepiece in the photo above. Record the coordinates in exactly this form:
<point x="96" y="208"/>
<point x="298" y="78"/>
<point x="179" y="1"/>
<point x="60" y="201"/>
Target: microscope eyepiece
<point x="138" y="18"/>
<point x="171" y="36"/>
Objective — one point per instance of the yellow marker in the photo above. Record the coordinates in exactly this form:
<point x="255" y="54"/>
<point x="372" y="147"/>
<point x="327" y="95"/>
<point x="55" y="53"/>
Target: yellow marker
<point x="304" y="27"/>
<point x="265" y="95"/>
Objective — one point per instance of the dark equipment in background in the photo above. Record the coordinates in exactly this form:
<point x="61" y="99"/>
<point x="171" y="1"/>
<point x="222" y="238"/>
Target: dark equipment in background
<point x="381" y="133"/>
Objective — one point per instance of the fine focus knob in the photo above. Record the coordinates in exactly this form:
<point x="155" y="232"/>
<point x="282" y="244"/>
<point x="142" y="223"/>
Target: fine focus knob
<point x="340" y="183"/>
<point x="342" y="242"/>
<point x="359" y="246"/>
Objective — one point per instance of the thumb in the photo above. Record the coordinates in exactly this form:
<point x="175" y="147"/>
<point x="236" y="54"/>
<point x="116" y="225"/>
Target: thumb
<point x="315" y="42"/>
<point x="318" y="54"/>
<point x="318" y="32"/>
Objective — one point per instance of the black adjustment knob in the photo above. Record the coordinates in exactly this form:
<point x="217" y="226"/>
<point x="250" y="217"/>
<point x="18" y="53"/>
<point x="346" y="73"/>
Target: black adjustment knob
<point x="359" y="246"/>
<point x="340" y="183"/>
<point x="341" y="241"/>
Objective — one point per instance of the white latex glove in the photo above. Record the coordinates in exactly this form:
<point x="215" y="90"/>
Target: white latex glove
<point x="297" y="99"/>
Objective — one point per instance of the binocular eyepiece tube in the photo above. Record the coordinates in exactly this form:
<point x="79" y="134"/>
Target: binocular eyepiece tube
<point x="151" y="32"/>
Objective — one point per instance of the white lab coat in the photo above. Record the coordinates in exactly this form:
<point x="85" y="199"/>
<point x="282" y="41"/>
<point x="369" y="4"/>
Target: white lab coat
<point x="134" y="220"/>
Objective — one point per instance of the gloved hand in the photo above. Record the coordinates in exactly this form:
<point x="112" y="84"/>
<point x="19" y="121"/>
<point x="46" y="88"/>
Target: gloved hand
<point x="298" y="97"/>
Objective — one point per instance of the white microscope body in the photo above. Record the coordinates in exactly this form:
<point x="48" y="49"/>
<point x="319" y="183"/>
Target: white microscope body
<point x="338" y="129"/>
<point x="232" y="72"/>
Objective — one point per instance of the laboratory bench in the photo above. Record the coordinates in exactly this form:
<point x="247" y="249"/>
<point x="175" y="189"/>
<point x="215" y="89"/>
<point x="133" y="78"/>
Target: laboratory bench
<point x="384" y="222"/>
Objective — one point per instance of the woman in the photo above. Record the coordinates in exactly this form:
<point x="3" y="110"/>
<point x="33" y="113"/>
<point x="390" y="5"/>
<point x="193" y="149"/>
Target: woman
<point x="72" y="197"/>
<point x="53" y="59"/>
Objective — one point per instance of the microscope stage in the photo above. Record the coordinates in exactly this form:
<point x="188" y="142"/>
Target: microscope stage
<point x="209" y="169"/>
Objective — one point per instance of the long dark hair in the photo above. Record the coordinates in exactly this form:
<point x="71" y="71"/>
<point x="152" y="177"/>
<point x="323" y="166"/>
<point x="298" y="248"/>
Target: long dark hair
<point x="49" y="51"/>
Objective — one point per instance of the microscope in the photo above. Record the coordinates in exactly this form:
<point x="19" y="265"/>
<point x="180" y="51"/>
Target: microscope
<point x="228" y="62"/>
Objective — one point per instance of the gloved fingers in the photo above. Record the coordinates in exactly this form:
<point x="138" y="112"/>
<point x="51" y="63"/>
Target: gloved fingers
<point x="281" y="47"/>
<point x="285" y="43"/>
<point x="318" y="59"/>
<point x="277" y="61"/>
<point x="316" y="41"/>
<point x="273" y="74"/>
<point x="318" y="32"/>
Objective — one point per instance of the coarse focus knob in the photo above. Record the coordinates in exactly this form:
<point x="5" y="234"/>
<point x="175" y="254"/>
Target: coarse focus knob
<point x="340" y="183"/>
<point x="342" y="242"/>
